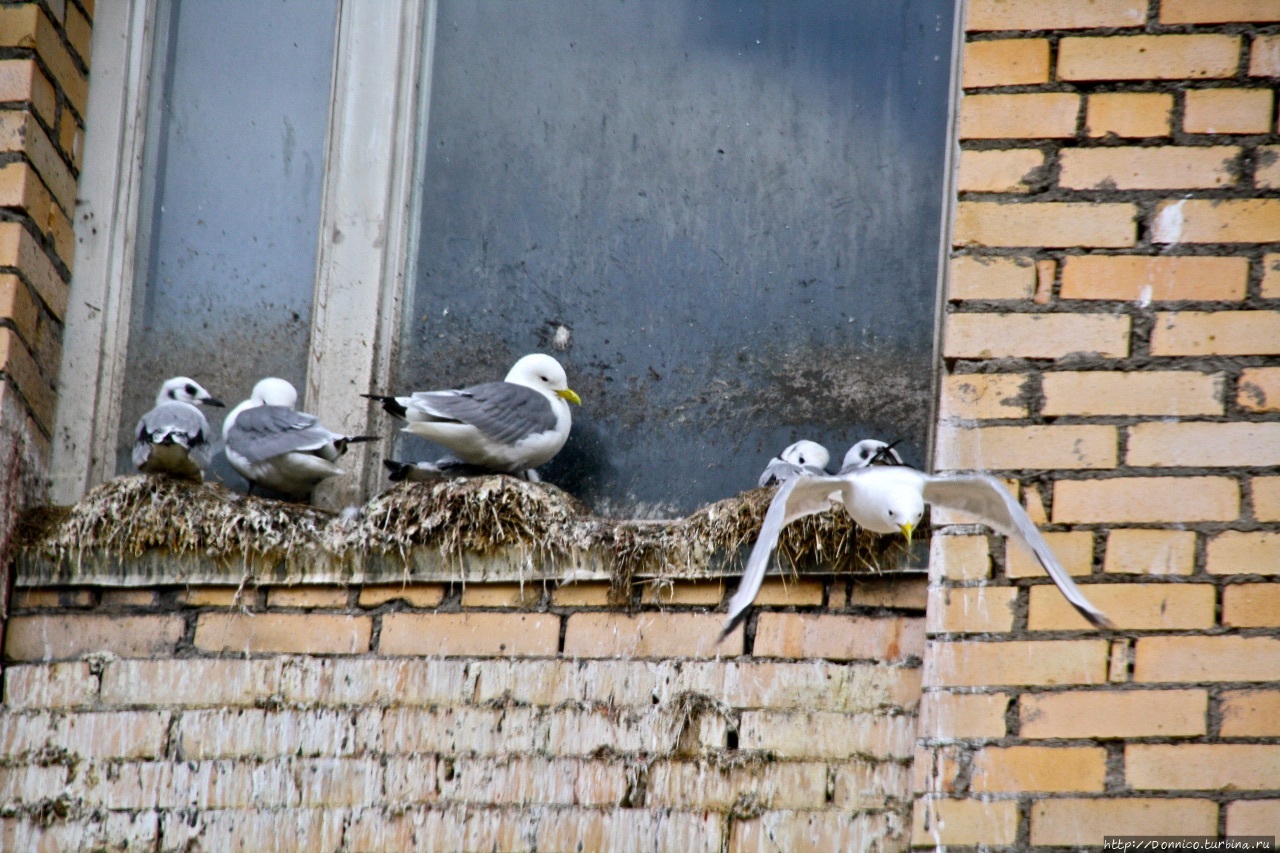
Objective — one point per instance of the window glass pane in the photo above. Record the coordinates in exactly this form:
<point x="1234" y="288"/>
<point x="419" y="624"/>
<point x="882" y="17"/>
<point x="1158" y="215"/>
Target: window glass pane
<point x="733" y="208"/>
<point x="237" y="146"/>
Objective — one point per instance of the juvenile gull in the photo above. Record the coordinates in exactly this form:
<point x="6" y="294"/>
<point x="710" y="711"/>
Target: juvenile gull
<point x="889" y="499"/>
<point x="271" y="444"/>
<point x="173" y="438"/>
<point x="801" y="458"/>
<point x="508" y="427"/>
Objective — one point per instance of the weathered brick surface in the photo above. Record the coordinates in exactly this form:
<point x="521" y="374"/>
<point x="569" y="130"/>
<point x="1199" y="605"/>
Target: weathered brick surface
<point x="1266" y="498"/>
<point x="1159" y="168"/>
<point x="800" y="635"/>
<point x="58" y="637"/>
<point x="1145" y="57"/>
<point x="960" y="557"/>
<point x="1228" y="111"/>
<point x="1167" y="393"/>
<point x="1005" y="62"/>
<point x="308" y="596"/>
<point x="1251" y="605"/>
<point x="469" y="634"/>
<point x="1240" y="553"/>
<point x="1146" y="499"/>
<point x="983" y="396"/>
<point x="999" y="171"/>
<point x="1022" y="662"/>
<point x="1150" y="552"/>
<point x="1251" y="713"/>
<point x="1039" y="768"/>
<point x="1184" y="767"/>
<point x="1259" y="389"/>
<point x="984" y="277"/>
<point x="1136" y="278"/>
<point x="976" y="610"/>
<point x="1129" y="114"/>
<point x="1218" y="11"/>
<point x="982" y="336"/>
<point x="1197" y="659"/>
<point x="964" y="822"/>
<point x="1051" y="15"/>
<point x="414" y="595"/>
<point x="1264" y="56"/>
<point x="649" y="635"/>
<point x="1114" y="714"/>
<point x="1034" y="116"/>
<point x="1049" y="224"/>
<point x="998" y="448"/>
<point x="1253" y="817"/>
<point x="1071" y="822"/>
<point x="1137" y="606"/>
<point x="1154" y="445"/>
<point x="1217" y="221"/>
<point x="963" y="715"/>
<point x="305" y="633"/>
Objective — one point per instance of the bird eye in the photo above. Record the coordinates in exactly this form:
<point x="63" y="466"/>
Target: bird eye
<point x="191" y="389"/>
<point x="892" y="513"/>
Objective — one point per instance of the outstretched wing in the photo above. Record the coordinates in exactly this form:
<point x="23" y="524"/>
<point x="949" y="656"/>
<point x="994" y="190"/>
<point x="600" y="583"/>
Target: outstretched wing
<point x="796" y="498"/>
<point x="988" y="499"/>
<point x="503" y="411"/>
<point x="265" y="432"/>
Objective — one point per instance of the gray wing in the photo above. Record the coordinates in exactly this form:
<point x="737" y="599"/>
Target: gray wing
<point x="183" y="422"/>
<point x="503" y="411"/>
<point x="264" y="432"/>
<point x="988" y="499"/>
<point x="796" y="498"/>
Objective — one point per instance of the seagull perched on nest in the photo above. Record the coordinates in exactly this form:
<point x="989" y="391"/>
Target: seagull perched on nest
<point x="870" y="452"/>
<point x="271" y="444"/>
<point x="426" y="472"/>
<point x="891" y="499"/>
<point x="508" y="427"/>
<point x="173" y="438"/>
<point x="802" y="458"/>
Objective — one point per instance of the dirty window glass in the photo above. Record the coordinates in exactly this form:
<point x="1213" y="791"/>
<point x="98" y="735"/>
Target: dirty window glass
<point x="236" y="148"/>
<point x="723" y="218"/>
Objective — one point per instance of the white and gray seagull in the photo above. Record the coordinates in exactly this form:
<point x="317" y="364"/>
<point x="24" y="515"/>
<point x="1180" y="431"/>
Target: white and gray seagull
<point x="508" y="427"/>
<point x="868" y="452"/>
<point x="804" y="458"/>
<point x="173" y="438"/>
<point x="891" y="499"/>
<point x="271" y="444"/>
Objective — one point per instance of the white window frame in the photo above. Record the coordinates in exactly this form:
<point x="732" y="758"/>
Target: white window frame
<point x="366" y="235"/>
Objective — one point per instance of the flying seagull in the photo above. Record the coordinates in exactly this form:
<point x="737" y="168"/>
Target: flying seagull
<point x="174" y="438"/>
<point x="801" y="458"/>
<point x="891" y="499"/>
<point x="271" y="444"/>
<point x="508" y="427"/>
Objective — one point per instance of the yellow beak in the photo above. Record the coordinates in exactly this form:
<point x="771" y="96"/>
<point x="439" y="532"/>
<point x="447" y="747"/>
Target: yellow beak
<point x="570" y="395"/>
<point x="907" y="529"/>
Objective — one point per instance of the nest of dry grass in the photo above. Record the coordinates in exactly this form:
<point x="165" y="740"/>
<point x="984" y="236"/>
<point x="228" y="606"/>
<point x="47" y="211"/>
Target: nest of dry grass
<point x="482" y="515"/>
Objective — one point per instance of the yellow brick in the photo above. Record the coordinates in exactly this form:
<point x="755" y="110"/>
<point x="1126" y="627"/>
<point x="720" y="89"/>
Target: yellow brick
<point x="1253" y="817"/>
<point x="1187" y="766"/>
<point x="1054" y="14"/>
<point x="415" y="595"/>
<point x="501" y="595"/>
<point x="22" y="80"/>
<point x="301" y="633"/>
<point x="983" y="396"/>
<point x="785" y="592"/>
<point x="1129" y="114"/>
<point x="1259" y="389"/>
<point x="954" y="716"/>
<point x="18" y="306"/>
<point x="59" y="636"/>
<point x="1021" y="662"/>
<point x="308" y="596"/>
<point x="1271" y="269"/>
<point x="20" y="132"/>
<point x="1193" y="444"/>
<point x="1015" y="769"/>
<point x="1216" y="333"/>
<point x="1166" y="57"/>
<point x="79" y="32"/>
<point x="1053" y="336"/>
<point x="20" y="250"/>
<point x="1221" y="658"/>
<point x="982" y="277"/>
<point x="1251" y="713"/>
<point x="649" y="635"/>
<point x="1266" y="498"/>
<point x="1227" y="111"/>
<point x="128" y="598"/>
<point x="1006" y="62"/>
<point x="1084" y="823"/>
<point x="1141" y="607"/>
<point x="1160" y="168"/>
<point x="1073" y="548"/>
<point x="964" y="822"/>
<point x="1146" y="499"/>
<point x="971" y="610"/>
<point x="998" y="171"/>
<point x="1166" y="393"/>
<point x="1150" y="552"/>
<point x="216" y="596"/>
<point x="27" y="26"/>
<point x="589" y="594"/>
<point x="838" y="637"/>
<point x="1264" y="56"/>
<point x="1041" y="115"/>
<point x="21" y="368"/>
<point x="1047" y="224"/>
<point x="1000" y="448"/>
<point x="959" y="557"/>
<point x="1217" y="221"/>
<point x="1154" y="279"/>
<point x="1218" y="11"/>
<point x="708" y="593"/>
<point x="1114" y="714"/>
<point x="1251" y="605"/>
<point x="1266" y="176"/>
<point x="475" y="634"/>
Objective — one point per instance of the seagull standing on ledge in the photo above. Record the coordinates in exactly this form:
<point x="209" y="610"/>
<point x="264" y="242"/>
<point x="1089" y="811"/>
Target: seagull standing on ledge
<point x="271" y="444"/>
<point x="804" y="458"/>
<point x="507" y="427"/>
<point x="891" y="499"/>
<point x="173" y="438"/>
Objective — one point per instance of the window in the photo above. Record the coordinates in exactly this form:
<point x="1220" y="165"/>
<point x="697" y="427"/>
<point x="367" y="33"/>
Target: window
<point x="732" y="211"/>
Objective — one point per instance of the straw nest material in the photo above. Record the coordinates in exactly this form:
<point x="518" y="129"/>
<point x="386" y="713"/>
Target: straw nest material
<point x="482" y="515"/>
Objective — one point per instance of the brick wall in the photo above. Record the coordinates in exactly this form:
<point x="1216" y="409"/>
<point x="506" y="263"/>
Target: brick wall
<point x="1110" y="346"/>
<point x="44" y="56"/>
<point x="430" y="717"/>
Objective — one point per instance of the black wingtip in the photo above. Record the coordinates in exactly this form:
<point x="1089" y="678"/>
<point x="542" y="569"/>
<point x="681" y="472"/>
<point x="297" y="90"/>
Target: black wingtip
<point x="1098" y="620"/>
<point x="399" y="470"/>
<point x="360" y="439"/>
<point x="732" y="625"/>
<point x="389" y="404"/>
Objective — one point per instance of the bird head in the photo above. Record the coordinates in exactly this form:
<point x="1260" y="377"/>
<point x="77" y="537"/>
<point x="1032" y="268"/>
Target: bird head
<point x="807" y="453"/>
<point x="542" y="372"/>
<point x="183" y="390"/>
<point x="274" y="392"/>
<point x="903" y="511"/>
